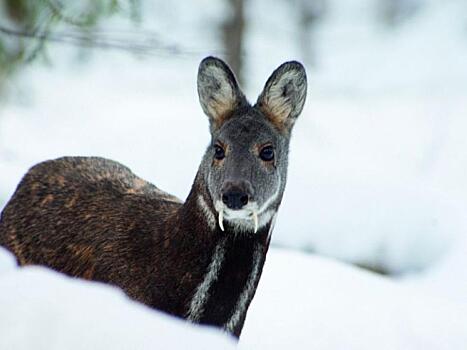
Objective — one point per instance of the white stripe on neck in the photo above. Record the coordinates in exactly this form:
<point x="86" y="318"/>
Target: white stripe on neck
<point x="247" y="292"/>
<point x="210" y="218"/>
<point x="202" y="291"/>
<point x="271" y="226"/>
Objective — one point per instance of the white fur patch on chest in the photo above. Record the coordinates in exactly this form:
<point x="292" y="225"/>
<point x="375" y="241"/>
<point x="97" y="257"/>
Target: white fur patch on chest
<point x="202" y="294"/>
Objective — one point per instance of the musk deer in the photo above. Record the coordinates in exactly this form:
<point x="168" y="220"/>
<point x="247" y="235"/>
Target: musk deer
<point x="92" y="218"/>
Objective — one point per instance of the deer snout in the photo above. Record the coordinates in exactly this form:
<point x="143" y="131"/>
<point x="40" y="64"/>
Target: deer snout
<point x="236" y="194"/>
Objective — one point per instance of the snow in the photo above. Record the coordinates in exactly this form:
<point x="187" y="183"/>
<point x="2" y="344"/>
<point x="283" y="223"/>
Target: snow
<point x="376" y="177"/>
<point x="303" y="302"/>
<point x="310" y="302"/>
<point x="41" y="309"/>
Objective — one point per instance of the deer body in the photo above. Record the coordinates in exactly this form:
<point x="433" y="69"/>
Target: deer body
<point x="93" y="218"/>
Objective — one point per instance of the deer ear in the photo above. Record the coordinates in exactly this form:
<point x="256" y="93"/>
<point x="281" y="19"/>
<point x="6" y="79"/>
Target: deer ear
<point x="218" y="91"/>
<point x="284" y="95"/>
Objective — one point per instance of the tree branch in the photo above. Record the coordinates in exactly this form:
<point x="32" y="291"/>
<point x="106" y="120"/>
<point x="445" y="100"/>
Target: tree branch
<point x="143" y="43"/>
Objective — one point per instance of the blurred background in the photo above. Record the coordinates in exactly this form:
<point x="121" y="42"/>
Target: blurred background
<point x="378" y="164"/>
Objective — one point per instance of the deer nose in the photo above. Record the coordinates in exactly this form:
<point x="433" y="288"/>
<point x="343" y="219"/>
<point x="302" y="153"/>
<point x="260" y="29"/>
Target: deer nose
<point x="235" y="195"/>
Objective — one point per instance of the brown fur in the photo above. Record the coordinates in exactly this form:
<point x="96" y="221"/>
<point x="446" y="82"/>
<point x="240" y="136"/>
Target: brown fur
<point x="93" y="218"/>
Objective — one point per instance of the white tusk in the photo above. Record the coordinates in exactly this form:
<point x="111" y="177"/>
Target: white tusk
<point x="255" y="219"/>
<point x="221" y="220"/>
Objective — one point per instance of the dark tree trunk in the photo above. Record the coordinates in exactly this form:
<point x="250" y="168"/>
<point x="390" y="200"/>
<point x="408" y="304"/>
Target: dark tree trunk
<point x="233" y="30"/>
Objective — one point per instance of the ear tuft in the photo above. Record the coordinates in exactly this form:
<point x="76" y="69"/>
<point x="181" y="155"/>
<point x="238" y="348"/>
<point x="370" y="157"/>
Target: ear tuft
<point x="284" y="95"/>
<point x="218" y="90"/>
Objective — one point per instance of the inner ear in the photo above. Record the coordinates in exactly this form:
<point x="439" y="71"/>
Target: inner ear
<point x="218" y="90"/>
<point x="284" y="95"/>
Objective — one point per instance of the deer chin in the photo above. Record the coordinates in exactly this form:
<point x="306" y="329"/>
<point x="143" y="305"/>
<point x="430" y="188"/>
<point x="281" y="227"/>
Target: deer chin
<point x="244" y="220"/>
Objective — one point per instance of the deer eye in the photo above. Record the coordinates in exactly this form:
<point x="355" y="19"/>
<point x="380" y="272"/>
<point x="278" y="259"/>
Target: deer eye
<point x="219" y="152"/>
<point x="267" y="153"/>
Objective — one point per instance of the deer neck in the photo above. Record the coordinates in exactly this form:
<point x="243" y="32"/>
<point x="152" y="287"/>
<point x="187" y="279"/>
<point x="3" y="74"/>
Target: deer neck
<point x="231" y="267"/>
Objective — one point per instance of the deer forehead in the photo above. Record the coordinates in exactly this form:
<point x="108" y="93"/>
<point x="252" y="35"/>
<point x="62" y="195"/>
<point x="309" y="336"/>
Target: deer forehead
<point x="247" y="130"/>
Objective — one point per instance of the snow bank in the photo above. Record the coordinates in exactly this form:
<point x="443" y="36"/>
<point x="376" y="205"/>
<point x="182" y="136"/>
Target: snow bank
<point x="303" y="302"/>
<point x="41" y="309"/>
<point x="447" y="278"/>
<point x="308" y="302"/>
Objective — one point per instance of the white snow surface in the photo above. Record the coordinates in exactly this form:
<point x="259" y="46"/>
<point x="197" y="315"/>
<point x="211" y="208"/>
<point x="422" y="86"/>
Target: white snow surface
<point x="42" y="309"/>
<point x="309" y="302"/>
<point x="303" y="302"/>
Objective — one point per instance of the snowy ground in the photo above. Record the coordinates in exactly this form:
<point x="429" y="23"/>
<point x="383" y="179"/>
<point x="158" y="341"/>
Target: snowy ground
<point x="303" y="302"/>
<point x="377" y="172"/>
<point x="41" y="309"/>
<point x="309" y="302"/>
